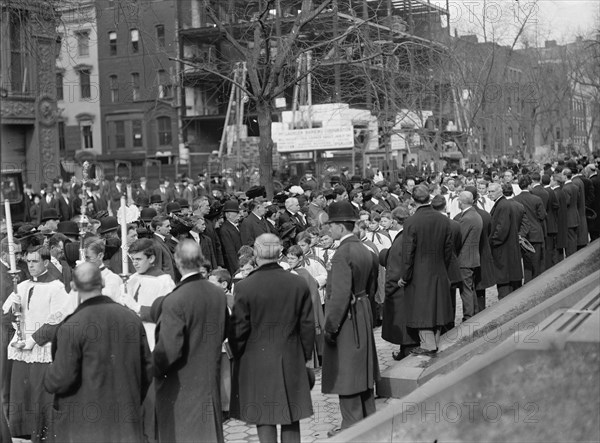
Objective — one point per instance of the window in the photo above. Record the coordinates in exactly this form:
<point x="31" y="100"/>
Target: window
<point x="136" y="130"/>
<point x="164" y="130"/>
<point x="18" y="54"/>
<point x="112" y="39"/>
<point x="59" y="87"/>
<point x="160" y="36"/>
<point x="83" y="43"/>
<point x="114" y="89"/>
<point x="135" y="86"/>
<point x="84" y="81"/>
<point x="119" y="134"/>
<point x="62" y="147"/>
<point x="86" y="135"/>
<point x="165" y="89"/>
<point x="135" y="40"/>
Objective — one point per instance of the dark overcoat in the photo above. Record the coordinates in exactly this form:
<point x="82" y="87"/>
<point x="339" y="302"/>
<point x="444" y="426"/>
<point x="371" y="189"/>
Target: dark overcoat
<point x="594" y="225"/>
<point x="350" y="366"/>
<point x="395" y="313"/>
<point x="552" y="213"/>
<point x="504" y="242"/>
<point x="571" y="191"/>
<point x="189" y="335"/>
<point x="562" y="222"/>
<point x="484" y="276"/>
<point x="582" y="231"/>
<point x="231" y="241"/>
<point x="536" y="215"/>
<point x="251" y="227"/>
<point x="454" y="269"/>
<point x="471" y="225"/>
<point x="426" y="255"/>
<point x="100" y="374"/>
<point x="272" y="334"/>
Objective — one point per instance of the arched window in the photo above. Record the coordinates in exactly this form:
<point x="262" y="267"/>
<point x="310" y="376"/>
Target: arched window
<point x="164" y="130"/>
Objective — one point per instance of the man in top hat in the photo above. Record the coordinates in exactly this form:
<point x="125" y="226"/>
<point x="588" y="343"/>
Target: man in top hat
<point x="350" y="366"/>
<point x="231" y="238"/>
<point x="426" y="256"/>
<point x="50" y="219"/>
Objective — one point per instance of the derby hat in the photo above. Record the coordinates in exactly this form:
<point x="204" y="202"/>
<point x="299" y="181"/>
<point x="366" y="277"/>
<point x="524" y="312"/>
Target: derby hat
<point x="256" y="191"/>
<point x="68" y="228"/>
<point x="173" y="207"/>
<point x="341" y="211"/>
<point x="147" y="214"/>
<point x="155" y="199"/>
<point x="355" y="179"/>
<point x="108" y="224"/>
<point x="50" y="214"/>
<point x="183" y="203"/>
<point x="231" y="206"/>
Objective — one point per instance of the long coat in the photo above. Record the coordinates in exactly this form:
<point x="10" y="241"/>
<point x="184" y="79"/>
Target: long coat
<point x="99" y="379"/>
<point x="552" y="213"/>
<point x="231" y="241"/>
<point x="251" y="227"/>
<point x="562" y="222"/>
<point x="536" y="215"/>
<point x="504" y="242"/>
<point x="484" y="276"/>
<point x="189" y="335"/>
<point x="594" y="225"/>
<point x="471" y="225"/>
<point x="350" y="366"/>
<point x="395" y="314"/>
<point x="582" y="231"/>
<point x="426" y="256"/>
<point x="271" y="336"/>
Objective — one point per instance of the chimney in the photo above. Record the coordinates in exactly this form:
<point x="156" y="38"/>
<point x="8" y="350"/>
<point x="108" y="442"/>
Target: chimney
<point x="550" y="44"/>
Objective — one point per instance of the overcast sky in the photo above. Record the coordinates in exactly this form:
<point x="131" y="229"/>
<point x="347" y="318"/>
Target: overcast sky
<point x="560" y="20"/>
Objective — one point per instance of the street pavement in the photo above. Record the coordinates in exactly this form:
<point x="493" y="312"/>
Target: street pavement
<point x="326" y="409"/>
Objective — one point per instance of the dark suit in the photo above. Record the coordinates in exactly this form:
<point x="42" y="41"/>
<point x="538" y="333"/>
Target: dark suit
<point x="65" y="209"/>
<point x="582" y="200"/>
<point x="187" y="356"/>
<point x="551" y="229"/>
<point x="231" y="242"/>
<point x="251" y="227"/>
<point x="216" y="243"/>
<point x="271" y="338"/>
<point x="484" y="275"/>
<point x="571" y="191"/>
<point x="350" y="366"/>
<point x="108" y="369"/>
<point x="594" y="225"/>
<point x="469" y="259"/>
<point x="295" y="219"/>
<point x="164" y="258"/>
<point x="45" y="205"/>
<point x="66" y="275"/>
<point x="504" y="243"/>
<point x="533" y="262"/>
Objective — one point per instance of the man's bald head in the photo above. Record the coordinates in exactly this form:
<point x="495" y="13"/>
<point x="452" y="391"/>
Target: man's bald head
<point x="267" y="247"/>
<point x="466" y="198"/>
<point x="87" y="278"/>
<point x="188" y="256"/>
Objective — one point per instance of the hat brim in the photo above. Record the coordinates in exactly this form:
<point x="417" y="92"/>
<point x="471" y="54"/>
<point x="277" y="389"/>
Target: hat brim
<point x="109" y="230"/>
<point x="342" y="220"/>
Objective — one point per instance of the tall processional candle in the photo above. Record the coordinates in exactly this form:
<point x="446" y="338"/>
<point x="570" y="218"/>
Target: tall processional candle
<point x="9" y="234"/>
<point x="124" y="247"/>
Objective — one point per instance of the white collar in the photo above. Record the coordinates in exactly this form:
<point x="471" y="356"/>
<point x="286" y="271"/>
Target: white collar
<point x="189" y="274"/>
<point x="345" y="237"/>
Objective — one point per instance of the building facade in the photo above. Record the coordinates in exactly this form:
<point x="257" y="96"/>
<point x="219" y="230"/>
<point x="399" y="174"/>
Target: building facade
<point x="28" y="113"/>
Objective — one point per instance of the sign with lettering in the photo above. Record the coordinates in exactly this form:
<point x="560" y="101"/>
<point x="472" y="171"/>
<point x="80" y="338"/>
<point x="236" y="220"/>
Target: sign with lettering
<point x="313" y="139"/>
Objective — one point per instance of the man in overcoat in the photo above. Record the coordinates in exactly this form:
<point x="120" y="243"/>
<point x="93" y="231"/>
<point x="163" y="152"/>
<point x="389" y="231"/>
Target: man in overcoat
<point x="254" y="224"/>
<point x="230" y="236"/>
<point x="190" y="331"/>
<point x="504" y="242"/>
<point x="109" y="369"/>
<point x="571" y="191"/>
<point x="271" y="335"/>
<point x="594" y="223"/>
<point x="350" y="366"/>
<point x="426" y="255"/>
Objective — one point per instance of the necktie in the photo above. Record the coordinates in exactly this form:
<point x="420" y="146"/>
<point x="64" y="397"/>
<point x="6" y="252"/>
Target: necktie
<point x="137" y="291"/>
<point x="325" y="256"/>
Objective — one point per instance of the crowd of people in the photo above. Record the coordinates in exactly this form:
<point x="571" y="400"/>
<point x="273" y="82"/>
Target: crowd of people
<point x="159" y="318"/>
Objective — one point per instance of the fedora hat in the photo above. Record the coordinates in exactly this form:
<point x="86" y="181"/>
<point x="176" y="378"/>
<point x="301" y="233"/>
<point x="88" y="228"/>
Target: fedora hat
<point x="155" y="199"/>
<point x="341" y="211"/>
<point x="68" y="228"/>
<point x="108" y="224"/>
<point x="231" y="206"/>
<point x="147" y="214"/>
<point x="50" y="214"/>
